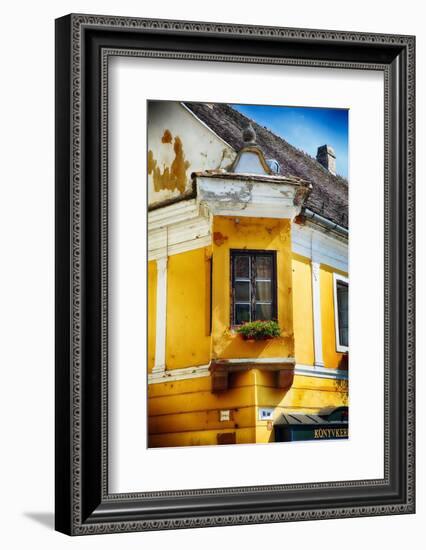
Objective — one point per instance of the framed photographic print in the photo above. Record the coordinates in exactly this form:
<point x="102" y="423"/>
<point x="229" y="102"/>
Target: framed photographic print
<point x="234" y="213"/>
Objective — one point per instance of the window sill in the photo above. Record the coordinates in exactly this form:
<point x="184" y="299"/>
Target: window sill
<point x="282" y="366"/>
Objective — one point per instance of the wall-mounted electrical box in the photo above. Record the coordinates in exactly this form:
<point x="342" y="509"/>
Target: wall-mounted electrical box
<point x="225" y="416"/>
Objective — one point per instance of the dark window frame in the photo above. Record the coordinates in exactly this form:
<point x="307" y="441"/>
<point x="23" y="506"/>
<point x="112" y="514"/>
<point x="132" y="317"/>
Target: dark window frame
<point x="253" y="253"/>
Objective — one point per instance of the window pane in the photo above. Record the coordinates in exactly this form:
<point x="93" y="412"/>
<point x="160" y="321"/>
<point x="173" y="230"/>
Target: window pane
<point x="242" y="313"/>
<point x="344" y="337"/>
<point x="242" y="291"/>
<point x="242" y="267"/>
<point x="342" y="304"/>
<point x="263" y="267"/>
<point x="263" y="291"/>
<point x="263" y="312"/>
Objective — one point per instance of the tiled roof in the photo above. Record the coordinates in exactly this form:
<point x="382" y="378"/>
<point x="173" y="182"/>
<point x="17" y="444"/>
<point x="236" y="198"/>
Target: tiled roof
<point x="329" y="196"/>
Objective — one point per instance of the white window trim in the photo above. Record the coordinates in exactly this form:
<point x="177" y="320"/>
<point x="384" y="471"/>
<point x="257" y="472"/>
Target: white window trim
<point x="336" y="278"/>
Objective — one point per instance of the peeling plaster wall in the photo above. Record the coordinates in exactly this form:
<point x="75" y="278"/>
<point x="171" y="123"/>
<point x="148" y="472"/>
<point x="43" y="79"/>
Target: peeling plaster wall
<point x="256" y="234"/>
<point x="179" y="144"/>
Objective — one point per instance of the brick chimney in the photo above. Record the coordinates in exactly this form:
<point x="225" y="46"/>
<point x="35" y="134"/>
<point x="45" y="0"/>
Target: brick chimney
<point x="327" y="157"/>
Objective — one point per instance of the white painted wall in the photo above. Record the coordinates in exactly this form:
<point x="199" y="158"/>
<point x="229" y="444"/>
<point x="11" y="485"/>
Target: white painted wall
<point x="26" y="229"/>
<point x="203" y="150"/>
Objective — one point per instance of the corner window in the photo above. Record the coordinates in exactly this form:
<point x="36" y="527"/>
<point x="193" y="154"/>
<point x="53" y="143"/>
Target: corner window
<point x="253" y="280"/>
<point x="341" y="312"/>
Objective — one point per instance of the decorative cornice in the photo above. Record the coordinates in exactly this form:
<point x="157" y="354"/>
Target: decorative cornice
<point x="316" y="371"/>
<point x="172" y="214"/>
<point x="322" y="248"/>
<point x="175" y="375"/>
<point x="177" y="228"/>
<point x="201" y="371"/>
<point x="247" y="195"/>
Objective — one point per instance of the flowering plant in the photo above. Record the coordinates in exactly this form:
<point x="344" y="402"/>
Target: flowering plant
<point x="259" y="330"/>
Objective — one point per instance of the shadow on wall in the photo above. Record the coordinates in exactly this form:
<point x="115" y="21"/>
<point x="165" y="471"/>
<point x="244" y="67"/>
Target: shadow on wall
<point x="47" y="519"/>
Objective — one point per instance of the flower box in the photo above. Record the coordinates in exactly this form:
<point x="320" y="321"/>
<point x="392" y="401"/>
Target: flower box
<point x="260" y="330"/>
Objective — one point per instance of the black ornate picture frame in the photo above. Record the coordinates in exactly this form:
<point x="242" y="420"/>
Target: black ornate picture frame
<point x="84" y="43"/>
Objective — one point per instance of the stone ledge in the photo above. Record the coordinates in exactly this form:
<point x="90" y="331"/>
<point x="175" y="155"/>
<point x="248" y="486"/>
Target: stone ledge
<point x="221" y="368"/>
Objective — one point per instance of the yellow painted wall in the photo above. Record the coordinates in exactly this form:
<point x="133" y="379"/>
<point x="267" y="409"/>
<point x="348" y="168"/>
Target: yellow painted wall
<point x="254" y="234"/>
<point x="152" y="301"/>
<point x="302" y="310"/>
<point x="303" y="313"/>
<point x="186" y="412"/>
<point x="331" y="357"/>
<point x="188" y="309"/>
<point x="307" y="394"/>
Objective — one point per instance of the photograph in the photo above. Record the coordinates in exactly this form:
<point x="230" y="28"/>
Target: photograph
<point x="212" y="241"/>
<point x="234" y="210"/>
<point x="247" y="273"/>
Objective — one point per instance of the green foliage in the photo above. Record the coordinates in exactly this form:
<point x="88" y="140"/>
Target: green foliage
<point x="259" y="330"/>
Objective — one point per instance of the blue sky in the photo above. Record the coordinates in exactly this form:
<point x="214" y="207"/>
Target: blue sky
<point x="306" y="128"/>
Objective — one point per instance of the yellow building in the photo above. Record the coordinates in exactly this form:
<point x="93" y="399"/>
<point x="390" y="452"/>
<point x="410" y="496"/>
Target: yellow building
<point x="243" y="227"/>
